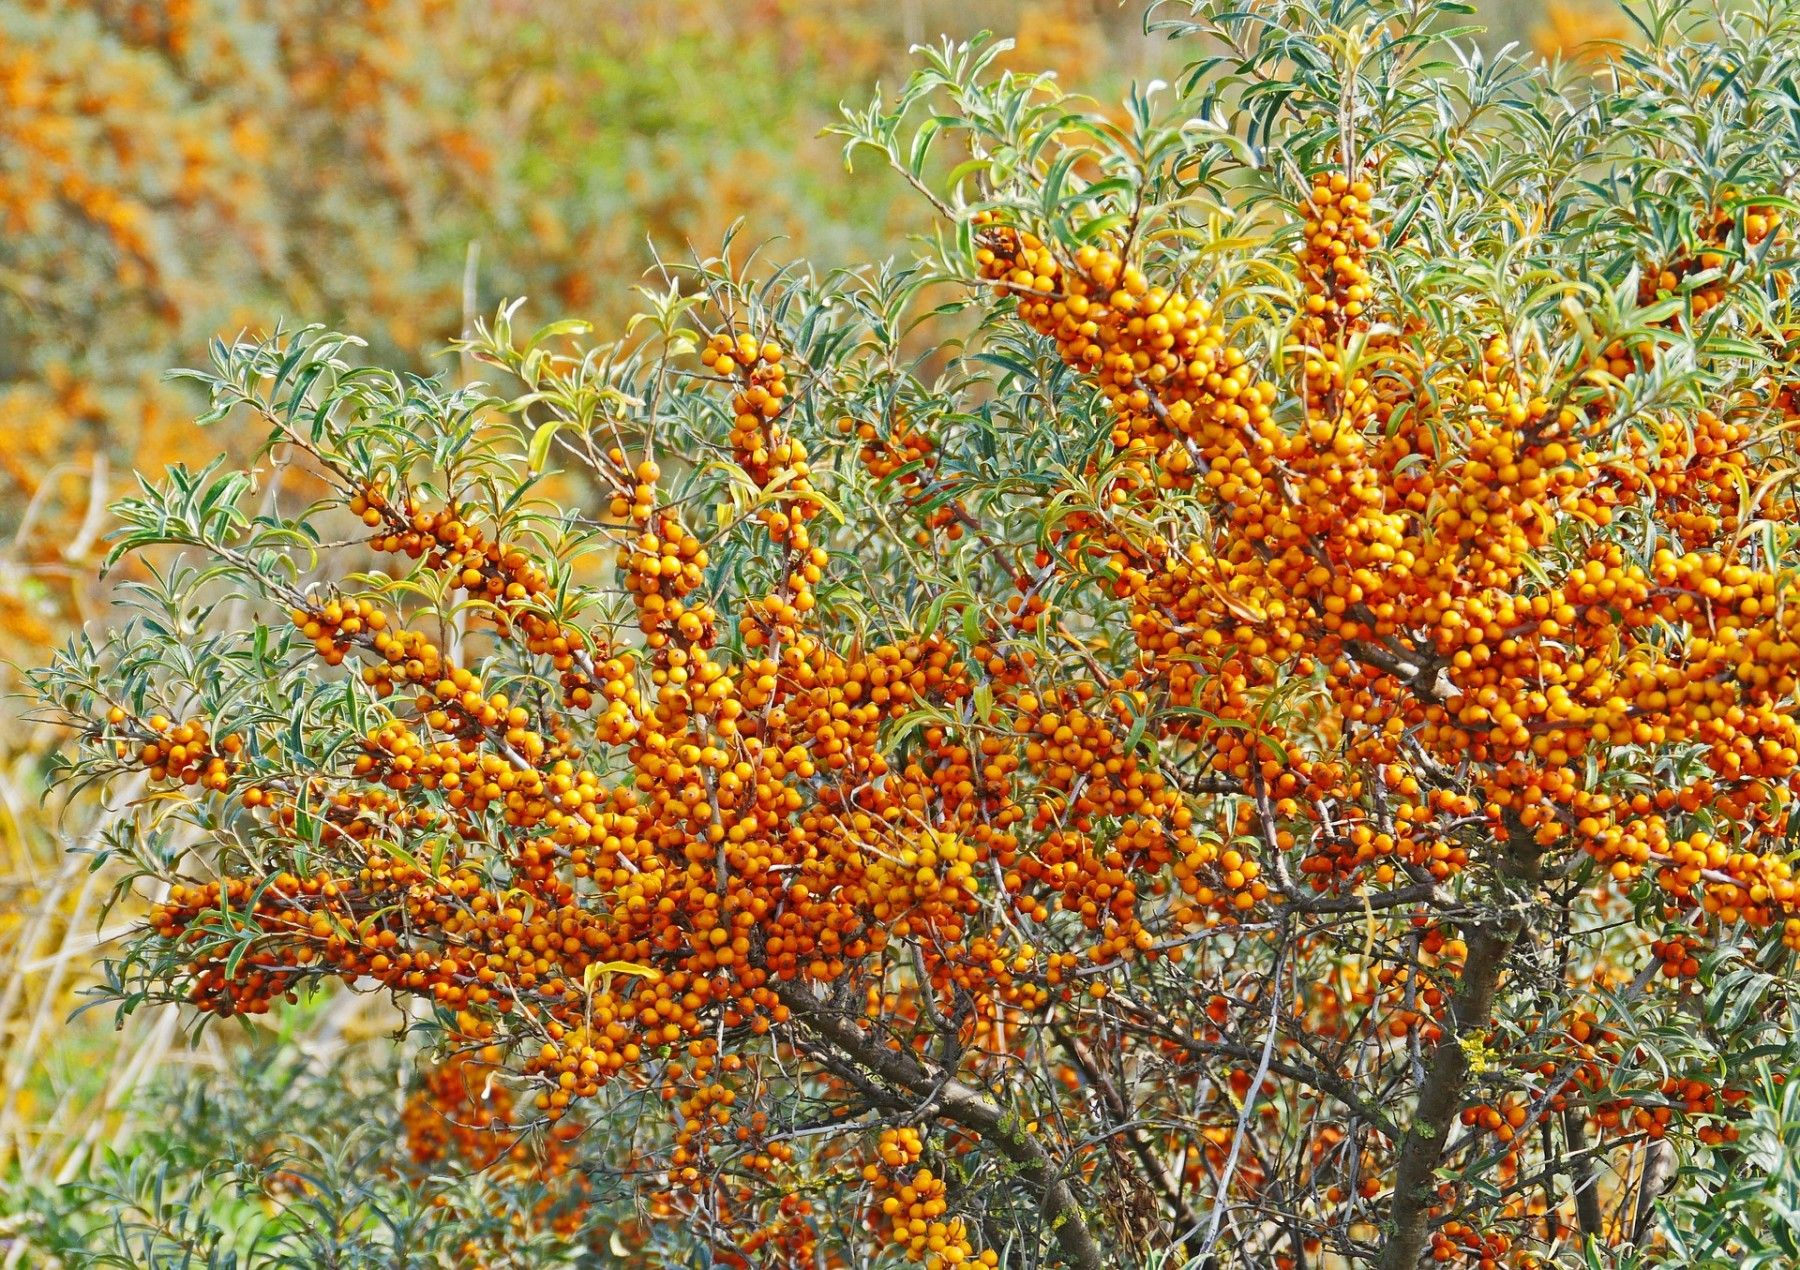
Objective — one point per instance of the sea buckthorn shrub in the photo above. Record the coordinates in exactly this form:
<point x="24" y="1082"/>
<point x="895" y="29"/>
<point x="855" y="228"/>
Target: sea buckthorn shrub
<point x="1239" y="708"/>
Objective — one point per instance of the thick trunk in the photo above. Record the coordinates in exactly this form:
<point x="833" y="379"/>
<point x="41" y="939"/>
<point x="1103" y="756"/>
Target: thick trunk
<point x="967" y="1107"/>
<point x="1440" y="1097"/>
<point x="1659" y="1167"/>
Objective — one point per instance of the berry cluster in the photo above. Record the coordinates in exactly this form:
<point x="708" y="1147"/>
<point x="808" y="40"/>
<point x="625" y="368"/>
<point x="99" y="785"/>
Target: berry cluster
<point x="913" y="1211"/>
<point x="180" y="752"/>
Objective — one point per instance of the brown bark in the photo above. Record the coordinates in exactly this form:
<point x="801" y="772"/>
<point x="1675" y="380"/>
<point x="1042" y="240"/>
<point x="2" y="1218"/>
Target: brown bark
<point x="1659" y="1169"/>
<point x="1440" y="1097"/>
<point x="1581" y="1174"/>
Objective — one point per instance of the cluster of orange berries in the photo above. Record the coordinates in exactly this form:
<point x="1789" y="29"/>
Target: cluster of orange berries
<point x="770" y="1226"/>
<point x="1075" y="747"/>
<point x="1186" y="406"/>
<point x="904" y="450"/>
<point x="1337" y="238"/>
<point x="701" y="1116"/>
<point x="452" y="699"/>
<point x="308" y="914"/>
<point x="343" y="815"/>
<point x="1676" y="957"/>
<point x="1504" y="1121"/>
<point x="408" y="657"/>
<point x="448" y="543"/>
<point x="662" y="567"/>
<point x="1459" y="1241"/>
<point x="1523" y="459"/>
<point x="462" y="1113"/>
<point x="394" y="756"/>
<point x="335" y="626"/>
<point x="1654" y="1115"/>
<point x="909" y="455"/>
<point x="914" y="1206"/>
<point x="1395" y="986"/>
<point x="1189" y="414"/>
<point x="767" y="454"/>
<point x="1759" y="222"/>
<point x="462" y="1116"/>
<point x="1699" y="481"/>
<point x="182" y="752"/>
